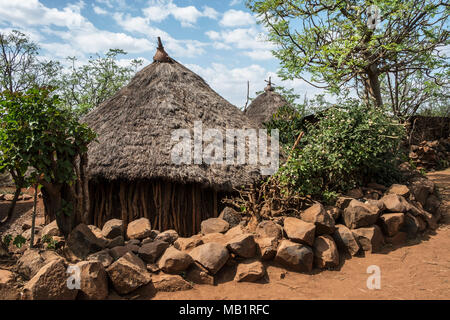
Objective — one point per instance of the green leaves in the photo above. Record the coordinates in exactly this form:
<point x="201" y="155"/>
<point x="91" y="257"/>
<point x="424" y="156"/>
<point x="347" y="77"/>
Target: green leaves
<point x="84" y="87"/>
<point x="37" y="133"/>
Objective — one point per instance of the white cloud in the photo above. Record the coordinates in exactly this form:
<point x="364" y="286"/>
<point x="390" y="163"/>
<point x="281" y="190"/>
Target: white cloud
<point x="183" y="48"/>
<point x="237" y="18"/>
<point x="32" y="12"/>
<point x="259" y="54"/>
<point x="249" y="39"/>
<point x="99" y="10"/>
<point x="159" y="10"/>
<point x="235" y="2"/>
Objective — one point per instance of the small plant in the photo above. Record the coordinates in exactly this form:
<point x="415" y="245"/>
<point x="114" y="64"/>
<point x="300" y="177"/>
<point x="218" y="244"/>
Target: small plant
<point x="7" y="240"/>
<point x="51" y="243"/>
<point x="19" y="241"/>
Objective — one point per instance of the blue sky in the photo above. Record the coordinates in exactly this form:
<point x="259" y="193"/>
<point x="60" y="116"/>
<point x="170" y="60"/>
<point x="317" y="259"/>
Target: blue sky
<point x="218" y="39"/>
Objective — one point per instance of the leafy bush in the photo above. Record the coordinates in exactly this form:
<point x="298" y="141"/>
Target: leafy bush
<point x="350" y="145"/>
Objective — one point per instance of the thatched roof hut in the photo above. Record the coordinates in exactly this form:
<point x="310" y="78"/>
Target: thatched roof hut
<point x="265" y="105"/>
<point x="131" y="171"/>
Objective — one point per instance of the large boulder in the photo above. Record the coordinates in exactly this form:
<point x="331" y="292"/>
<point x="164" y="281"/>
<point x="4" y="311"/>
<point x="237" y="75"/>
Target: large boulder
<point x="318" y="215"/>
<point x="325" y="250"/>
<point x="295" y="256"/>
<point x="391" y="222"/>
<point x="299" y="231"/>
<point x="170" y="283"/>
<point x="128" y="273"/>
<point x="412" y="225"/>
<point x="269" y="229"/>
<point x="333" y="211"/>
<point x="101" y="256"/>
<point x="50" y="283"/>
<point x="82" y="242"/>
<point x="188" y="243"/>
<point x="212" y="256"/>
<point x="400" y="190"/>
<point x="370" y="239"/>
<point x="198" y="274"/>
<point x="174" y="261"/>
<point x="249" y="271"/>
<point x="343" y="202"/>
<point x="215" y="237"/>
<point x="267" y="248"/>
<point x="94" y="281"/>
<point x="231" y="216"/>
<point x="116" y="242"/>
<point x="51" y="230"/>
<point x="30" y="263"/>
<point x="150" y="252"/>
<point x="421" y="189"/>
<point x="243" y="245"/>
<point x="233" y="232"/>
<point x="139" y="229"/>
<point x="345" y="240"/>
<point x="113" y="228"/>
<point x="118" y="252"/>
<point x="169" y="236"/>
<point x="214" y="225"/>
<point x="97" y="232"/>
<point x="359" y="214"/>
<point x="395" y="203"/>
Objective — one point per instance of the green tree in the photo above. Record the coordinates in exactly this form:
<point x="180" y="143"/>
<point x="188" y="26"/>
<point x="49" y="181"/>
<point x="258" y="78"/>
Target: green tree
<point x="20" y="68"/>
<point x="36" y="132"/>
<point x="84" y="87"/>
<point x="342" y="45"/>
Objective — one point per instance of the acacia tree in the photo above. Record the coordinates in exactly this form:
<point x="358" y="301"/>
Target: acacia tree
<point x="84" y="87"/>
<point x="36" y="132"/>
<point x="20" y="68"/>
<point x="340" y="45"/>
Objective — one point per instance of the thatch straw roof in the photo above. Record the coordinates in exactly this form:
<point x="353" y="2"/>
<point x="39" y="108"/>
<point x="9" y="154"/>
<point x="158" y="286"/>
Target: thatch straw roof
<point x="134" y="128"/>
<point x="265" y="105"/>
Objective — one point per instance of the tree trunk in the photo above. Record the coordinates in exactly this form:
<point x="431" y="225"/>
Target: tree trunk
<point x="57" y="198"/>
<point x="372" y="85"/>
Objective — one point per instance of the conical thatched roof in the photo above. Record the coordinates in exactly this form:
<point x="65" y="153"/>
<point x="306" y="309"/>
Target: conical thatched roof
<point x="265" y="105"/>
<point x="135" y="126"/>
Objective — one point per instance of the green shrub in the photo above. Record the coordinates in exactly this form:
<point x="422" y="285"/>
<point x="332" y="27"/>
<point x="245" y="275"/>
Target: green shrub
<point x="350" y="145"/>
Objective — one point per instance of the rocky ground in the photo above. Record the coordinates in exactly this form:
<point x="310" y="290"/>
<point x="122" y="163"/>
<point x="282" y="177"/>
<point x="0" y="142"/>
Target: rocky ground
<point x="247" y="264"/>
<point x="418" y="270"/>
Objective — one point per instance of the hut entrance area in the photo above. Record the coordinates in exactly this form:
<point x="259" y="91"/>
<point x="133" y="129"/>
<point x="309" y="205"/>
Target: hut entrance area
<point x="167" y="205"/>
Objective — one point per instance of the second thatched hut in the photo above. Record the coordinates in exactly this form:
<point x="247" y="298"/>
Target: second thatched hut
<point x="264" y="106"/>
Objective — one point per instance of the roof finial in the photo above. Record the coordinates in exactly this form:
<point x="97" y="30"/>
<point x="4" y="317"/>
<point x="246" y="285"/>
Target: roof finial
<point x="161" y="55"/>
<point x="269" y="85"/>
